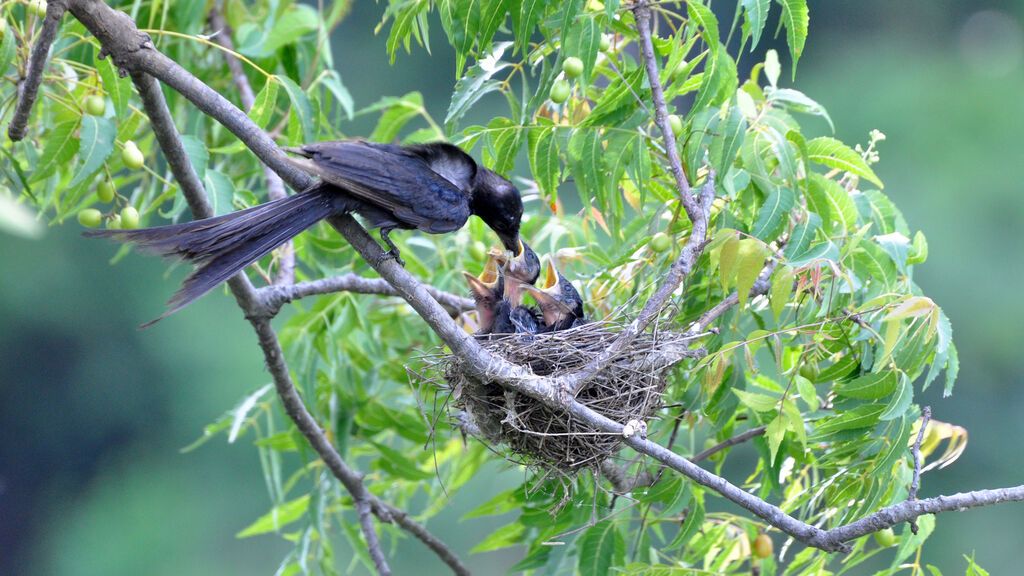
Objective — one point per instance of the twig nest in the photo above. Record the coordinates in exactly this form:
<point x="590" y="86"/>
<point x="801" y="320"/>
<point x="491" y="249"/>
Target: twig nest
<point x="528" y="432"/>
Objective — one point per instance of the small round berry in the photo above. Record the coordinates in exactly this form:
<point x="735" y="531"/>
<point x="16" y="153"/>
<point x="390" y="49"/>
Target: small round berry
<point x="129" y="218"/>
<point x="763" y="546"/>
<point x="95" y="105"/>
<point x="90" y="217"/>
<point x="560" y="91"/>
<point x="573" y="67"/>
<point x="105" y="191"/>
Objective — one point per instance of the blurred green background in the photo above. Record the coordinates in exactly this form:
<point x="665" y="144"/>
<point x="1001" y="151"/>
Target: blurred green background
<point x="93" y="412"/>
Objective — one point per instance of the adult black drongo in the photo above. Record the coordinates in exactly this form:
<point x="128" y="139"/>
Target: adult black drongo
<point x="431" y="187"/>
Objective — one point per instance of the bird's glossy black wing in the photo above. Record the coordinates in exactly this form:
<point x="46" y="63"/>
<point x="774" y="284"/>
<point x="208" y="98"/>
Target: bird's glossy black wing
<point x="389" y="177"/>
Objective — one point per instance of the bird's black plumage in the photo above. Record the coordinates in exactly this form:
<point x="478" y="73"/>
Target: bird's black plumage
<point x="496" y="313"/>
<point x="431" y="187"/>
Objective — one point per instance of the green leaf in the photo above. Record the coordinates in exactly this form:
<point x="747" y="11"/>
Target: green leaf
<point x="749" y="262"/>
<point x="119" y="89"/>
<point x="583" y="40"/>
<point x="263" y="106"/>
<point x="492" y="16"/>
<point x="475" y="84"/>
<point x="707" y="21"/>
<point x="6" y="51"/>
<point x="397" y="113"/>
<point x="221" y="192"/>
<point x="586" y="163"/>
<point x="508" y="535"/>
<point x="525" y="20"/>
<point x="461" y="22"/>
<point x="278" y="517"/>
<point x="774" y="214"/>
<point x="728" y="139"/>
<point x="294" y="23"/>
<point x="834" y="154"/>
<point x="900" y="401"/>
<point x="600" y="548"/>
<point x="756" y="401"/>
<point x="97" y="142"/>
<point x="332" y="81"/>
<point x="868" y="387"/>
<point x="802" y="235"/>
<point x="854" y="419"/>
<point x="829" y="200"/>
<point x="543" y="156"/>
<point x="755" y="14"/>
<point x="797" y="101"/>
<point x="796" y="19"/>
<point x="197" y="154"/>
<point x="60" y="148"/>
<point x="300" y="106"/>
<point x="775" y="432"/>
<point x="727" y="261"/>
<point x="952" y="370"/>
<point x="781" y="288"/>
<point x="503" y="139"/>
<point x="807" y="392"/>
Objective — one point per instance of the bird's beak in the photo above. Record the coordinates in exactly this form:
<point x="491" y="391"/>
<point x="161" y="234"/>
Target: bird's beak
<point x="546" y="295"/>
<point x="512" y="244"/>
<point x="484" y="284"/>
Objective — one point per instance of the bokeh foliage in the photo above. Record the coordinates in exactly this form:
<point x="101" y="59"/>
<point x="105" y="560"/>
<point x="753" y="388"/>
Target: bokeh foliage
<point x="829" y="361"/>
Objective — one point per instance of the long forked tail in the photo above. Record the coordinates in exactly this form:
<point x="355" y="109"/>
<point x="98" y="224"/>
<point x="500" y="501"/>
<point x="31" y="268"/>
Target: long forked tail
<point x="221" y="247"/>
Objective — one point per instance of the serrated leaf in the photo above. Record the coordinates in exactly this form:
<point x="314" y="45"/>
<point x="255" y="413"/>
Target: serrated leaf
<point x="294" y="23"/>
<point x="600" y="548"/>
<point x="853" y="419"/>
<point x="586" y="155"/>
<point x="900" y="400"/>
<point x="503" y="140"/>
<point x="802" y="235"/>
<point x="869" y="386"/>
<point x="807" y="392"/>
<point x="797" y="101"/>
<point x="705" y="18"/>
<point x="525" y="20"/>
<point x="397" y="113"/>
<point x="952" y="370"/>
<point x="278" y="517"/>
<point x="912" y="307"/>
<point x="755" y="12"/>
<point x="781" y="289"/>
<point x="332" y="81"/>
<point x="727" y="140"/>
<point x="119" y="89"/>
<point x="834" y="154"/>
<point x="829" y="200"/>
<point x="97" y="142"/>
<point x="461" y="22"/>
<point x="796" y="19"/>
<point x="477" y="82"/>
<point x="774" y="214"/>
<point x="241" y="412"/>
<point x="749" y="262"/>
<point x="61" y="146"/>
<point x="300" y="106"/>
<point x="542" y="145"/>
<point x="774" y="433"/>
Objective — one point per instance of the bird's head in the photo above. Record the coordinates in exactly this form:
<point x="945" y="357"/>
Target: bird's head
<point x="518" y="268"/>
<point x="500" y="205"/>
<point x="557" y="298"/>
<point x="487" y="291"/>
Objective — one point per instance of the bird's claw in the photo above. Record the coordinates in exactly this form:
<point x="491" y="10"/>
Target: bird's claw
<point x="393" y="252"/>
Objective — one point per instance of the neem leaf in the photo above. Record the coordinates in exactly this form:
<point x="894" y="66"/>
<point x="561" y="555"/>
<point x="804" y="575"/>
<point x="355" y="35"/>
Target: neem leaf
<point x="97" y="142"/>
<point x="834" y="154"/>
<point x="60" y="147"/>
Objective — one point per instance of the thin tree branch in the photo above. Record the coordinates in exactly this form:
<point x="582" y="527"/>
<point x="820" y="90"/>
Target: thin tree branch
<point x="642" y="13"/>
<point x="737" y="439"/>
<point x="28" y="91"/>
<point x="915" y="483"/>
<point x="403" y="519"/>
<point x="275" y="186"/>
<point x="276" y="296"/>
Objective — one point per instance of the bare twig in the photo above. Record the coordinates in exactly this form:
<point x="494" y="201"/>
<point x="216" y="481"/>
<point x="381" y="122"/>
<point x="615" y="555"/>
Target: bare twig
<point x="29" y="88"/>
<point x="442" y="550"/>
<point x="276" y="296"/>
<point x="915" y="483"/>
<point x="737" y="439"/>
<point x="275" y="187"/>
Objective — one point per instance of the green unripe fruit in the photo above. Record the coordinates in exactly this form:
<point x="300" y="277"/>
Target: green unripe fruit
<point x="105" y="191"/>
<point x="661" y="242"/>
<point x="132" y="156"/>
<point x="95" y="105"/>
<point x="885" y="538"/>
<point x="114" y="223"/>
<point x="573" y="67"/>
<point x="560" y="91"/>
<point x="129" y="218"/>
<point x="605" y="44"/>
<point x="90" y="217"/>
<point x="763" y="546"/>
<point x="37" y="7"/>
<point x="478" y="250"/>
<point x="676" y="123"/>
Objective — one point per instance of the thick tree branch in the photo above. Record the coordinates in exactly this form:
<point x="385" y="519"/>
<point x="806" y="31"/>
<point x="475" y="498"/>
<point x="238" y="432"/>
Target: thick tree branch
<point x="28" y="90"/>
<point x="274" y="297"/>
<point x="275" y="187"/>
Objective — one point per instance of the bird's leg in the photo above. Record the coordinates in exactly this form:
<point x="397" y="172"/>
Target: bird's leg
<point x="393" y="251"/>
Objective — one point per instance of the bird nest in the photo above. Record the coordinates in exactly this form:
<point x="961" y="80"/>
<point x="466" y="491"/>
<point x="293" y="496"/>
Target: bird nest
<point x="525" y="430"/>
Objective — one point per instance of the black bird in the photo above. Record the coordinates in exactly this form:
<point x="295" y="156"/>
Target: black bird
<point x="561" y="305"/>
<point x="431" y="187"/>
<point x="495" y="312"/>
<point x="522" y="268"/>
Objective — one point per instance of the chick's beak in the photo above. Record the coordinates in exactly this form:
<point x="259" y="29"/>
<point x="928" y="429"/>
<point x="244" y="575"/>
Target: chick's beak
<point x="547" y="295"/>
<point x="484" y="284"/>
